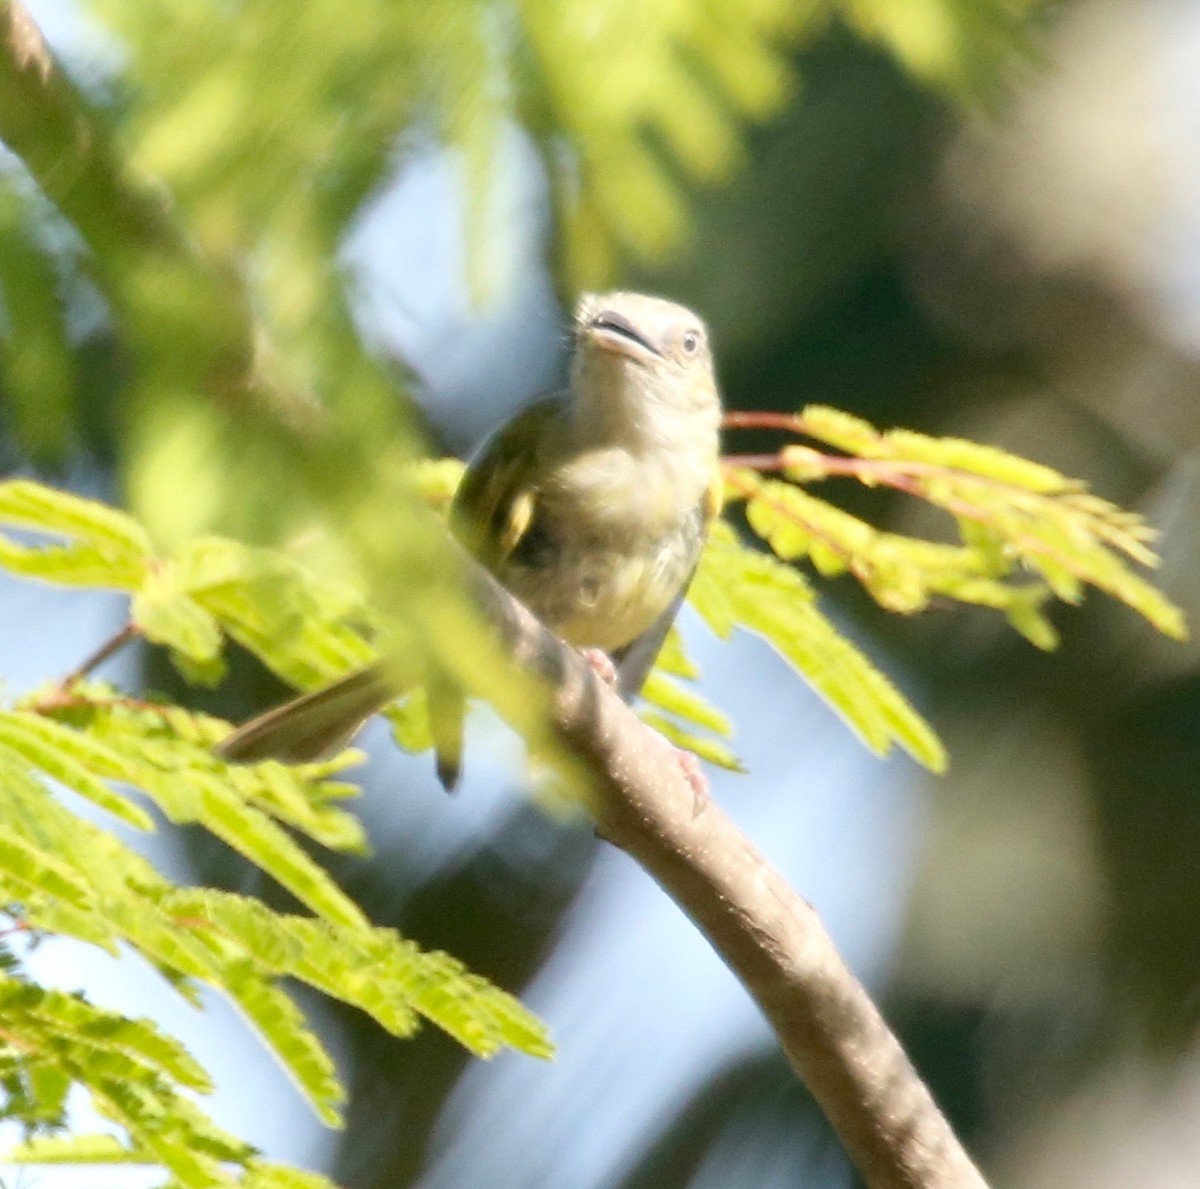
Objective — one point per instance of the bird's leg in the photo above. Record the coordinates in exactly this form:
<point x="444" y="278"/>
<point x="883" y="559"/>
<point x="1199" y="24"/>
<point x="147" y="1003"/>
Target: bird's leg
<point x="601" y="664"/>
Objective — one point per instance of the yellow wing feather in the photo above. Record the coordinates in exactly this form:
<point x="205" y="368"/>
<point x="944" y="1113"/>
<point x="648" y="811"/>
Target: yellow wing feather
<point x="495" y="503"/>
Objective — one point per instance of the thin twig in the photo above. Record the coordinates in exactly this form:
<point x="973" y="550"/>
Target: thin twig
<point x="762" y="419"/>
<point x="109" y="648"/>
<point x="60" y="698"/>
<point x="754" y="462"/>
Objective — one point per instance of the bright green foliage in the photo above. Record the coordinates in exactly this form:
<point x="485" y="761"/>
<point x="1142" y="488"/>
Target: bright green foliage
<point x="1027" y="534"/>
<point x="62" y="875"/>
<point x="306" y="632"/>
<point x="131" y="1070"/>
<point x="621" y="79"/>
<point x="1026" y="531"/>
<point x="631" y="105"/>
<point x="960" y="46"/>
<point x="252" y="1173"/>
<point x="682" y="702"/>
<point x="737" y="586"/>
<point x="97" y="546"/>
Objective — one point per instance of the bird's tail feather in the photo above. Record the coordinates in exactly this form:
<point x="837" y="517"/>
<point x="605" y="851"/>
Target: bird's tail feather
<point x="447" y="710"/>
<point x="314" y="725"/>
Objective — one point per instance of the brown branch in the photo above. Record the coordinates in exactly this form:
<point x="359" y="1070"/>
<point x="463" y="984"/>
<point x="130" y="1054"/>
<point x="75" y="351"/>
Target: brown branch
<point x="831" y="1032"/>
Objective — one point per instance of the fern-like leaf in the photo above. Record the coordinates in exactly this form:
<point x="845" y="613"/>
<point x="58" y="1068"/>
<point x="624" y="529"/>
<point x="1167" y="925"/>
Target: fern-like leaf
<point x="738" y="587"/>
<point x="105" y="547"/>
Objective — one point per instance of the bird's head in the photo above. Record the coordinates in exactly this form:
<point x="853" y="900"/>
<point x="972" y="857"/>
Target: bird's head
<point x="643" y="365"/>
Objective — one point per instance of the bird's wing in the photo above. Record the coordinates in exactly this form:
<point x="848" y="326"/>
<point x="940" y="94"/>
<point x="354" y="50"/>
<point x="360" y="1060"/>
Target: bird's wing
<point x="495" y="504"/>
<point x="492" y="511"/>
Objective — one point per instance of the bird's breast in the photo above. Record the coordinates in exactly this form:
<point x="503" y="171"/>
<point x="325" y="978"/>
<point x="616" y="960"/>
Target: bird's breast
<point x="602" y="583"/>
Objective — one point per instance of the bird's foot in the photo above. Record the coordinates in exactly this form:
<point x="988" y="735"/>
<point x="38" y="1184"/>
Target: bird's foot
<point x="601" y="664"/>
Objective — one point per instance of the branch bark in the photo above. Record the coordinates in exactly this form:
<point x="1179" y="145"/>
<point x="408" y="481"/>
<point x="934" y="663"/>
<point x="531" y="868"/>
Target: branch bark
<point x="831" y="1032"/>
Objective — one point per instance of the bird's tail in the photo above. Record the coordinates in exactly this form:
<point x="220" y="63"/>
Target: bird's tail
<point x="314" y="725"/>
<point x="447" y="710"/>
<point x="318" y="724"/>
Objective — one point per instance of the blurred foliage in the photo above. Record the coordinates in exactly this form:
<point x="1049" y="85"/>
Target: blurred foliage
<point x="233" y="148"/>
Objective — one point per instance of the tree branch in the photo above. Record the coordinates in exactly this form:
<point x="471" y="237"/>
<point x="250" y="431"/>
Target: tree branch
<point x="148" y="268"/>
<point x="831" y="1032"/>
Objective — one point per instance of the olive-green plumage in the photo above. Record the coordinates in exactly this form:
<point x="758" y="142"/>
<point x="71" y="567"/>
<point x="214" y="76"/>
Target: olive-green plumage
<point x="591" y="507"/>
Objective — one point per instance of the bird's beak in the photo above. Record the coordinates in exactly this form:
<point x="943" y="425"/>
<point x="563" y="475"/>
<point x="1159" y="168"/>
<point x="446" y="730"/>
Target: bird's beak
<point x="611" y="331"/>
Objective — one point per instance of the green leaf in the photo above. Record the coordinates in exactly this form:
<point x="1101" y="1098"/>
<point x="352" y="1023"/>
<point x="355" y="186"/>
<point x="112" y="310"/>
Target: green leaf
<point x="675" y="699"/>
<point x="115" y="536"/>
<point x="261" y="1174"/>
<point x="79" y="1022"/>
<point x="27" y="871"/>
<point x="130" y="1070"/>
<point x="773" y="600"/>
<point x="1010" y="512"/>
<point x="689" y="79"/>
<point x="74" y="760"/>
<point x="282" y="1025"/>
<point x="1026" y="617"/>
<point x="410" y="722"/>
<point x="704" y="746"/>
<point x="306" y="630"/>
<point x="76" y="1149"/>
<point x="674" y="659"/>
<point x="964" y="49"/>
<point x="374" y="969"/>
<point x="70" y="565"/>
<point x="168" y="615"/>
<point x="252" y="834"/>
<point x="297" y="796"/>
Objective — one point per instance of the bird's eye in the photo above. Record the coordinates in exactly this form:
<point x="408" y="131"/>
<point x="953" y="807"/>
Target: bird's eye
<point x="690" y="342"/>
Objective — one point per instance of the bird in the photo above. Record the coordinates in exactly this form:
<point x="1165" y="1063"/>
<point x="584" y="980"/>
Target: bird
<point x="591" y="506"/>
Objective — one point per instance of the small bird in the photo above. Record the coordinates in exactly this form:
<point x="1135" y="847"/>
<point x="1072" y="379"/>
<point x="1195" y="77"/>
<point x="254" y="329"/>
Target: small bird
<point x="591" y="507"/>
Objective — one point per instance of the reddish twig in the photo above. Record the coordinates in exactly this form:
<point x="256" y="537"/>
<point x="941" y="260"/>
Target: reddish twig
<point x="754" y="462"/>
<point x="761" y="419"/>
